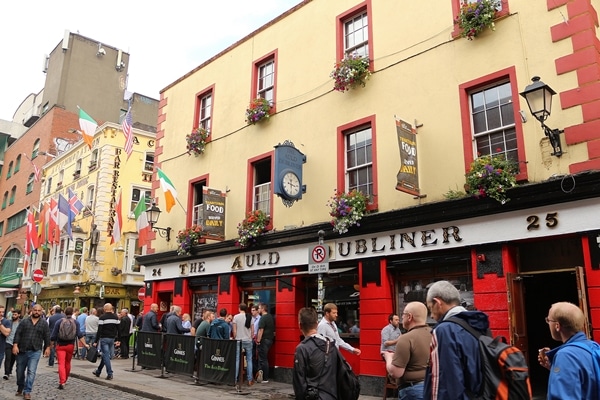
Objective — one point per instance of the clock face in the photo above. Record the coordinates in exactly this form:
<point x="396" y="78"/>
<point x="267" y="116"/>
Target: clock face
<point x="291" y="184"/>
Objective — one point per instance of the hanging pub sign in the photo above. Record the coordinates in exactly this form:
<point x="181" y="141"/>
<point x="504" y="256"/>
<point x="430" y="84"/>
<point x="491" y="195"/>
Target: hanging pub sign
<point x="408" y="176"/>
<point x="213" y="218"/>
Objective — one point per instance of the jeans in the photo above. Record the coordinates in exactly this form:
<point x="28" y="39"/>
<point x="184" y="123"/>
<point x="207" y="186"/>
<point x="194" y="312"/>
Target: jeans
<point x="414" y="392"/>
<point x="247" y="347"/>
<point x="263" y="357"/>
<point x="106" y="346"/>
<point x="52" y="356"/>
<point x="64" y="354"/>
<point x="29" y="360"/>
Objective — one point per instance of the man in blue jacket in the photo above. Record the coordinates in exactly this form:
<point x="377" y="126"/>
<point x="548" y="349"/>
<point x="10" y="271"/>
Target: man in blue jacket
<point x="571" y="367"/>
<point x="454" y="371"/>
<point x="219" y="328"/>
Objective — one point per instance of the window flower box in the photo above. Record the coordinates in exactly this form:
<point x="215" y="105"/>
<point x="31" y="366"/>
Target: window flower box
<point x="258" y="110"/>
<point x="255" y="224"/>
<point x="188" y="238"/>
<point x="351" y="72"/>
<point x="196" y="141"/>
<point x="491" y="176"/>
<point x="347" y="209"/>
<point x="477" y="16"/>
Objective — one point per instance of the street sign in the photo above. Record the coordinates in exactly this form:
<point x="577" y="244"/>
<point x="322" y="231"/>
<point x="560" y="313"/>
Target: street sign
<point x="36" y="288"/>
<point x="318" y="259"/>
<point x="141" y="294"/>
<point x="37" y="275"/>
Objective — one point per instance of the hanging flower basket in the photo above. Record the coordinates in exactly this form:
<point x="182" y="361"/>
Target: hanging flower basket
<point x="188" y="238"/>
<point x="351" y="72"/>
<point x="474" y="17"/>
<point x="196" y="141"/>
<point x="252" y="227"/>
<point x="491" y="176"/>
<point x="258" y="110"/>
<point x="347" y="209"/>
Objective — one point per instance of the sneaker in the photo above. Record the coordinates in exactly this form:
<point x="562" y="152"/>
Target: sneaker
<point x="265" y="382"/>
<point x="19" y="393"/>
<point x="259" y="376"/>
<point x="109" y="377"/>
<point x="96" y="373"/>
<point x="250" y="383"/>
<point x="61" y="387"/>
<point x="5" y="377"/>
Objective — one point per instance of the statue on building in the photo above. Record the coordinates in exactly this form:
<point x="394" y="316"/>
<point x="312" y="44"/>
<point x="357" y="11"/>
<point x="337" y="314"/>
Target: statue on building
<point x="94" y="239"/>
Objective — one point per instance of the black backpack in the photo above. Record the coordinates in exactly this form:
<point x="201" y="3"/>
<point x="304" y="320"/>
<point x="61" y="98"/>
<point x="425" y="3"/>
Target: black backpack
<point x="348" y="385"/>
<point x="504" y="369"/>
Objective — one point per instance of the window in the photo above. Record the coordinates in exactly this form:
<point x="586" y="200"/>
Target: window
<point x="204" y="109"/>
<point x="261" y="185"/>
<point x="18" y="164"/>
<point x="30" y="181"/>
<point x="13" y="194"/>
<point x="16" y="221"/>
<point x="77" y="172"/>
<point x="149" y="162"/>
<point x="49" y="185"/>
<point x="4" y="200"/>
<point x="36" y="149"/>
<point x="10" y="170"/>
<point x="10" y="263"/>
<point x="136" y="195"/>
<point x="197" y="200"/>
<point x="61" y="177"/>
<point x="264" y="80"/>
<point x="61" y="256"/>
<point x="488" y="108"/>
<point x="77" y="253"/>
<point x="354" y="30"/>
<point x="132" y="249"/>
<point x="1" y="228"/>
<point x="93" y="160"/>
<point x="89" y="199"/>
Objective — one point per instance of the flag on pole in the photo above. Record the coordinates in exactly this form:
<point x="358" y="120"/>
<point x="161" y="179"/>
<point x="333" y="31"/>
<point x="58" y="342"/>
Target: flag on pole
<point x="141" y="222"/>
<point x="63" y="215"/>
<point x="31" y="234"/>
<point x="116" y="233"/>
<point x="36" y="170"/>
<point x="128" y="132"/>
<point x="168" y="188"/>
<point x="88" y="127"/>
<point x="53" y="231"/>
<point x="44" y="221"/>
<point x="75" y="206"/>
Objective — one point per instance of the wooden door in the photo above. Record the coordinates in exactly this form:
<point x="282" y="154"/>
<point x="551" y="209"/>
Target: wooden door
<point x="516" y="313"/>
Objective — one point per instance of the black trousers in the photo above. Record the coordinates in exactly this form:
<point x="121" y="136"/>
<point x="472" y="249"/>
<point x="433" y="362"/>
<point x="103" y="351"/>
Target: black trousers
<point x="9" y="359"/>
<point x="124" y="346"/>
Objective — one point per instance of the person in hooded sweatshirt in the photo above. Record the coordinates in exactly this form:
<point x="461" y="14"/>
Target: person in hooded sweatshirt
<point x="454" y="369"/>
<point x="315" y="361"/>
<point x="219" y="328"/>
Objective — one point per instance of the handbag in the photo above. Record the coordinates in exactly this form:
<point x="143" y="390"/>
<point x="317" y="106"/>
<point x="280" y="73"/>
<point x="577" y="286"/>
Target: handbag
<point x="92" y="354"/>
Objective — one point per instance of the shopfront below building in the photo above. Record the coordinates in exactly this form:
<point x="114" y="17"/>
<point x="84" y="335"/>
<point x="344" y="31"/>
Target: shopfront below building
<point x="512" y="264"/>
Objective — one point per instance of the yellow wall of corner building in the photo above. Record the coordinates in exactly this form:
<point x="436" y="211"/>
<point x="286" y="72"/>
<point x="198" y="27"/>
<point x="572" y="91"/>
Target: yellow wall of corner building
<point x="114" y="171"/>
<point x="418" y="68"/>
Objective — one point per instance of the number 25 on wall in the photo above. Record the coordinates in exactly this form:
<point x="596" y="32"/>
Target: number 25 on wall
<point x="533" y="221"/>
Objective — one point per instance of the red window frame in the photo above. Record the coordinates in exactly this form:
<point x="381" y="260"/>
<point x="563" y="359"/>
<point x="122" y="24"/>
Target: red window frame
<point x="342" y="131"/>
<point x="340" y="19"/>
<point x="465" y="110"/>
<point x="250" y="184"/>
<point x="190" y="201"/>
<point x="255" y="69"/>
<point x="198" y="108"/>
<point x="456" y="8"/>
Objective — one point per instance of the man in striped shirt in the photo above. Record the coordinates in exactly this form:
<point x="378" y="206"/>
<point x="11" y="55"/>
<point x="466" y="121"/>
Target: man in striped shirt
<point x="108" y="331"/>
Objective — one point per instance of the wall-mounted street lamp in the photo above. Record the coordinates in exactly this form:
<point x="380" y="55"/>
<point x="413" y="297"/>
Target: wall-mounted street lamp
<point x="153" y="213"/>
<point x="539" y="99"/>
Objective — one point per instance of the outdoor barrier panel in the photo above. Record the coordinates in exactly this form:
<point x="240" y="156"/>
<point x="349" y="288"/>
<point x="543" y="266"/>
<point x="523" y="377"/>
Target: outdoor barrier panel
<point x="217" y="360"/>
<point x="179" y="353"/>
<point x="149" y="349"/>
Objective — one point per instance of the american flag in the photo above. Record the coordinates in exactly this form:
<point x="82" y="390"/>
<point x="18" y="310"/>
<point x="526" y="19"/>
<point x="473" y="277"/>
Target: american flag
<point x="127" y="131"/>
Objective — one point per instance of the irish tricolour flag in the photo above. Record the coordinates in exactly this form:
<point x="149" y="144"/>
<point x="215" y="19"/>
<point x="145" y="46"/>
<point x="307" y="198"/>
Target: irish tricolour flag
<point x="168" y="188"/>
<point x="141" y="222"/>
<point x="88" y="127"/>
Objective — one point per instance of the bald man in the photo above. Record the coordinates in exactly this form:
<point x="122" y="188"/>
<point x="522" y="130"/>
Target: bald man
<point x="571" y="367"/>
<point x="410" y="359"/>
<point x="150" y="322"/>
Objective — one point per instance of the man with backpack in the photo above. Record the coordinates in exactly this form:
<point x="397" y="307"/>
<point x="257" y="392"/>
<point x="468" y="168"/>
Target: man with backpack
<point x="63" y="339"/>
<point x="574" y="366"/>
<point x="315" y="361"/>
<point x="454" y="372"/>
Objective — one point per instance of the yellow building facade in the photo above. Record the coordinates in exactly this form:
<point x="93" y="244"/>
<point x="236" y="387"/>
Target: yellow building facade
<point x="74" y="274"/>
<point x="434" y="102"/>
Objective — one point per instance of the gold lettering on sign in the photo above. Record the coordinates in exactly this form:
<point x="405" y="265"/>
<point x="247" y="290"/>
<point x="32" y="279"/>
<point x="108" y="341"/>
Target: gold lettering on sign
<point x="113" y="191"/>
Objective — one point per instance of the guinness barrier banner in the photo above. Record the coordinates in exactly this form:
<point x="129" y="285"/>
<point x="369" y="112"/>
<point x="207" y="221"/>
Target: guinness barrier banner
<point x="179" y="353"/>
<point x="217" y="360"/>
<point x="408" y="176"/>
<point x="149" y="350"/>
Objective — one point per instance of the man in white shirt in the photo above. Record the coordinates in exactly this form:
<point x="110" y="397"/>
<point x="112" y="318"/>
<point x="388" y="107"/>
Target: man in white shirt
<point x="242" y="331"/>
<point x="328" y="328"/>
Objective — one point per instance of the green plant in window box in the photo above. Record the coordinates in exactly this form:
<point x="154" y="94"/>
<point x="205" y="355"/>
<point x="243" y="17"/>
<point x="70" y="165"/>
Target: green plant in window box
<point x="476" y="16"/>
<point x="350" y="72"/>
<point x="491" y="176"/>
<point x="259" y="109"/>
<point x="347" y="209"/>
<point x="254" y="225"/>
